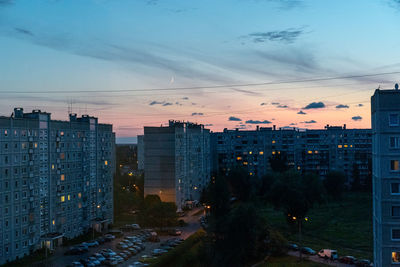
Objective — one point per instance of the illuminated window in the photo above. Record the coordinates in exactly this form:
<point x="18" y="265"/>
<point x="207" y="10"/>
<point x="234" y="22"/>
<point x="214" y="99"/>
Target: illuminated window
<point x="106" y="162"/>
<point x="245" y="163"/>
<point x="79" y="195"/>
<point x="239" y="158"/>
<point x="273" y="141"/>
<point x="62" y="177"/>
<point x="394" y="165"/>
<point x="261" y="153"/>
<point x="396" y="257"/>
<point x="273" y="152"/>
<point x="54" y="222"/>
<point x="316" y="151"/>
<point x="99" y="190"/>
<point x="345" y="145"/>
<point x="279" y="152"/>
<point x="52" y="166"/>
<point x="5" y="132"/>
<point x="250" y="152"/>
<point x="339" y="146"/>
<point x="351" y="145"/>
<point x="298" y="167"/>
<point x="251" y="173"/>
<point x="62" y="155"/>
<point x="79" y="205"/>
<point x="62" y="198"/>
<point x="62" y="133"/>
<point x="69" y="197"/>
<point x="309" y="152"/>
<point x="35" y="145"/>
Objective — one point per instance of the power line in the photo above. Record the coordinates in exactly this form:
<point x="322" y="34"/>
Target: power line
<point x="206" y="87"/>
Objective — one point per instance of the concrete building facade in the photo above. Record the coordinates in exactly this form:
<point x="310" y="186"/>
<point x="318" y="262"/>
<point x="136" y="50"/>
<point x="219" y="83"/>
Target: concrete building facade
<point x="385" y="114"/>
<point x="318" y="151"/>
<point x="56" y="180"/>
<point x="176" y="161"/>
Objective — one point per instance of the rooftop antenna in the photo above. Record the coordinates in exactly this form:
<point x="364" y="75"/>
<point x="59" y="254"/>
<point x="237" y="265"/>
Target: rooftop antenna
<point x="396" y="86"/>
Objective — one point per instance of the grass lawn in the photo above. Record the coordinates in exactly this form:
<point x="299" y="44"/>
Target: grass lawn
<point x="289" y="261"/>
<point x="343" y="225"/>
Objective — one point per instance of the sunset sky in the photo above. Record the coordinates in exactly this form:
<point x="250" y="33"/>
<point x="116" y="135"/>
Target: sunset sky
<point x="246" y="59"/>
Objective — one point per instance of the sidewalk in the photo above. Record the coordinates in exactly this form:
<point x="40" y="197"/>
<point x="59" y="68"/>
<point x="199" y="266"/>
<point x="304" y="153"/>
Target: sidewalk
<point x="315" y="258"/>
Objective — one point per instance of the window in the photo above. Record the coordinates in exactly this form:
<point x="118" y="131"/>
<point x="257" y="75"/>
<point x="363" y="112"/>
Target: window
<point x="62" y="177"/>
<point x="5" y="133"/>
<point x="395" y="188"/>
<point x="106" y="162"/>
<point x="395" y="211"/>
<point x="396" y="257"/>
<point x="393" y="120"/>
<point x="396" y="234"/>
<point x="79" y="195"/>
<point x="261" y="153"/>
<point x="394" y="165"/>
<point x="69" y="197"/>
<point x="62" y="198"/>
<point x="394" y="142"/>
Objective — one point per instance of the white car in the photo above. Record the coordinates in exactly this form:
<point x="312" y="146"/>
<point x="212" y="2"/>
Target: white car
<point x="328" y="253"/>
<point x="135" y="226"/>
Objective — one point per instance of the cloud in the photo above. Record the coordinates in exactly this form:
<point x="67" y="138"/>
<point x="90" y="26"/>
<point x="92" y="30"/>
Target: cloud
<point x="127" y="128"/>
<point x="286" y="36"/>
<point x="293" y="123"/>
<point x="248" y="92"/>
<point x="360" y="105"/>
<point x="258" y="122"/>
<point x="263" y="104"/>
<point x="197" y="114"/>
<point x="342" y="106"/>
<point x="23" y="31"/>
<point x="6" y="2"/>
<point x="167" y="104"/>
<point x="208" y="124"/>
<point x="232" y="118"/>
<point x="185" y="98"/>
<point x="356" y="118"/>
<point x="308" y="122"/>
<point x="152" y="103"/>
<point x="178" y="104"/>
<point x="301" y="112"/>
<point x="314" y="105"/>
<point x="282" y="106"/>
<point x="274" y="103"/>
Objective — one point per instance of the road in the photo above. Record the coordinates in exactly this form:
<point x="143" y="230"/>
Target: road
<point x="59" y="259"/>
<point x="315" y="258"/>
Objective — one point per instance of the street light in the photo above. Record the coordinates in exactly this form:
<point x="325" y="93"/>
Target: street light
<point x="299" y="222"/>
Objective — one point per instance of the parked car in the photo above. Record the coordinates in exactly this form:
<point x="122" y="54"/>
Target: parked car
<point x="123" y="255"/>
<point x="99" y="257"/>
<point x="175" y="232"/>
<point x="122" y="246"/>
<point x="328" y="253"/>
<point x="83" y="248"/>
<point x="91" y="244"/>
<point x="133" y="251"/>
<point x="138" y="264"/>
<point x="77" y="264"/>
<point x="363" y="263"/>
<point x="307" y="250"/>
<point x="111" y="262"/>
<point x="158" y="252"/>
<point x="109" y="237"/>
<point x="101" y="240"/>
<point x="348" y="259"/>
<point x="94" y="260"/>
<point x="74" y="251"/>
<point x="293" y="246"/>
<point x="135" y="226"/>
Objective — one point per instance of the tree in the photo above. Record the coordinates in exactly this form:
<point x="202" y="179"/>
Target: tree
<point x="278" y="162"/>
<point x="157" y="213"/>
<point x="266" y="183"/>
<point x="356" y="183"/>
<point x="241" y="184"/>
<point x="334" y="183"/>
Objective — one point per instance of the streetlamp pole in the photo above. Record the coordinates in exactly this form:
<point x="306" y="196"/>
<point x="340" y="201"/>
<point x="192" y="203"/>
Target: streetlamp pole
<point x="300" y="246"/>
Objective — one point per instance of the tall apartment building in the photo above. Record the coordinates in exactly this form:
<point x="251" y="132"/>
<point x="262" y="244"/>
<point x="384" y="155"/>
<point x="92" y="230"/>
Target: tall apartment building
<point x="318" y="151"/>
<point x="176" y="161"/>
<point x="385" y="109"/>
<point x="55" y="180"/>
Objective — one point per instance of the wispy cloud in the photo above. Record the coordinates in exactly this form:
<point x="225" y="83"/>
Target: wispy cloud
<point x="232" y="118"/>
<point x="315" y="105"/>
<point x="301" y="112"/>
<point x="152" y="103"/>
<point x="288" y="36"/>
<point x="360" y="105"/>
<point x="258" y="122"/>
<point x="197" y="114"/>
<point x="282" y="106"/>
<point x="342" y="106"/>
<point x="263" y="104"/>
<point x="23" y="31"/>
<point x="275" y="103"/>
<point x="167" y="104"/>
<point x="185" y="98"/>
<point x="356" y="118"/>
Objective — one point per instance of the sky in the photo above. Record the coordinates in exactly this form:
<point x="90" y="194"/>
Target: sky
<point x="225" y="64"/>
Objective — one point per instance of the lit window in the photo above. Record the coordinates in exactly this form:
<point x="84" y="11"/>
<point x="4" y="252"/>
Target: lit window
<point x="339" y="146"/>
<point x="79" y="195"/>
<point x="279" y="152"/>
<point x="394" y="165"/>
<point x="52" y="166"/>
<point x="35" y="145"/>
<point x="298" y="167"/>
<point x="245" y="163"/>
<point x="251" y="173"/>
<point x="54" y="222"/>
<point x="396" y="234"/>
<point x="239" y="158"/>
<point x="273" y="152"/>
<point x="79" y="205"/>
<point x="62" y="177"/>
<point x="273" y="141"/>
<point x="250" y="152"/>
<point x="396" y="256"/>
<point x="309" y="152"/>
<point x="5" y="132"/>
<point x="69" y="197"/>
<point x="393" y="120"/>
<point x="395" y="188"/>
<point x="316" y="151"/>
<point x="261" y="153"/>
<point x="106" y="162"/>
<point x="62" y="198"/>
<point x="62" y="133"/>
<point x="394" y="142"/>
<point x="345" y="145"/>
<point x="62" y="155"/>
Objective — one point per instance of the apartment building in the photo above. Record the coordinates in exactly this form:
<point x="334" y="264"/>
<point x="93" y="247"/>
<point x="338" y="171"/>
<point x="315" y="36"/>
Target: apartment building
<point x="318" y="151"/>
<point x="176" y="161"/>
<point x="55" y="180"/>
<point x="385" y="111"/>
